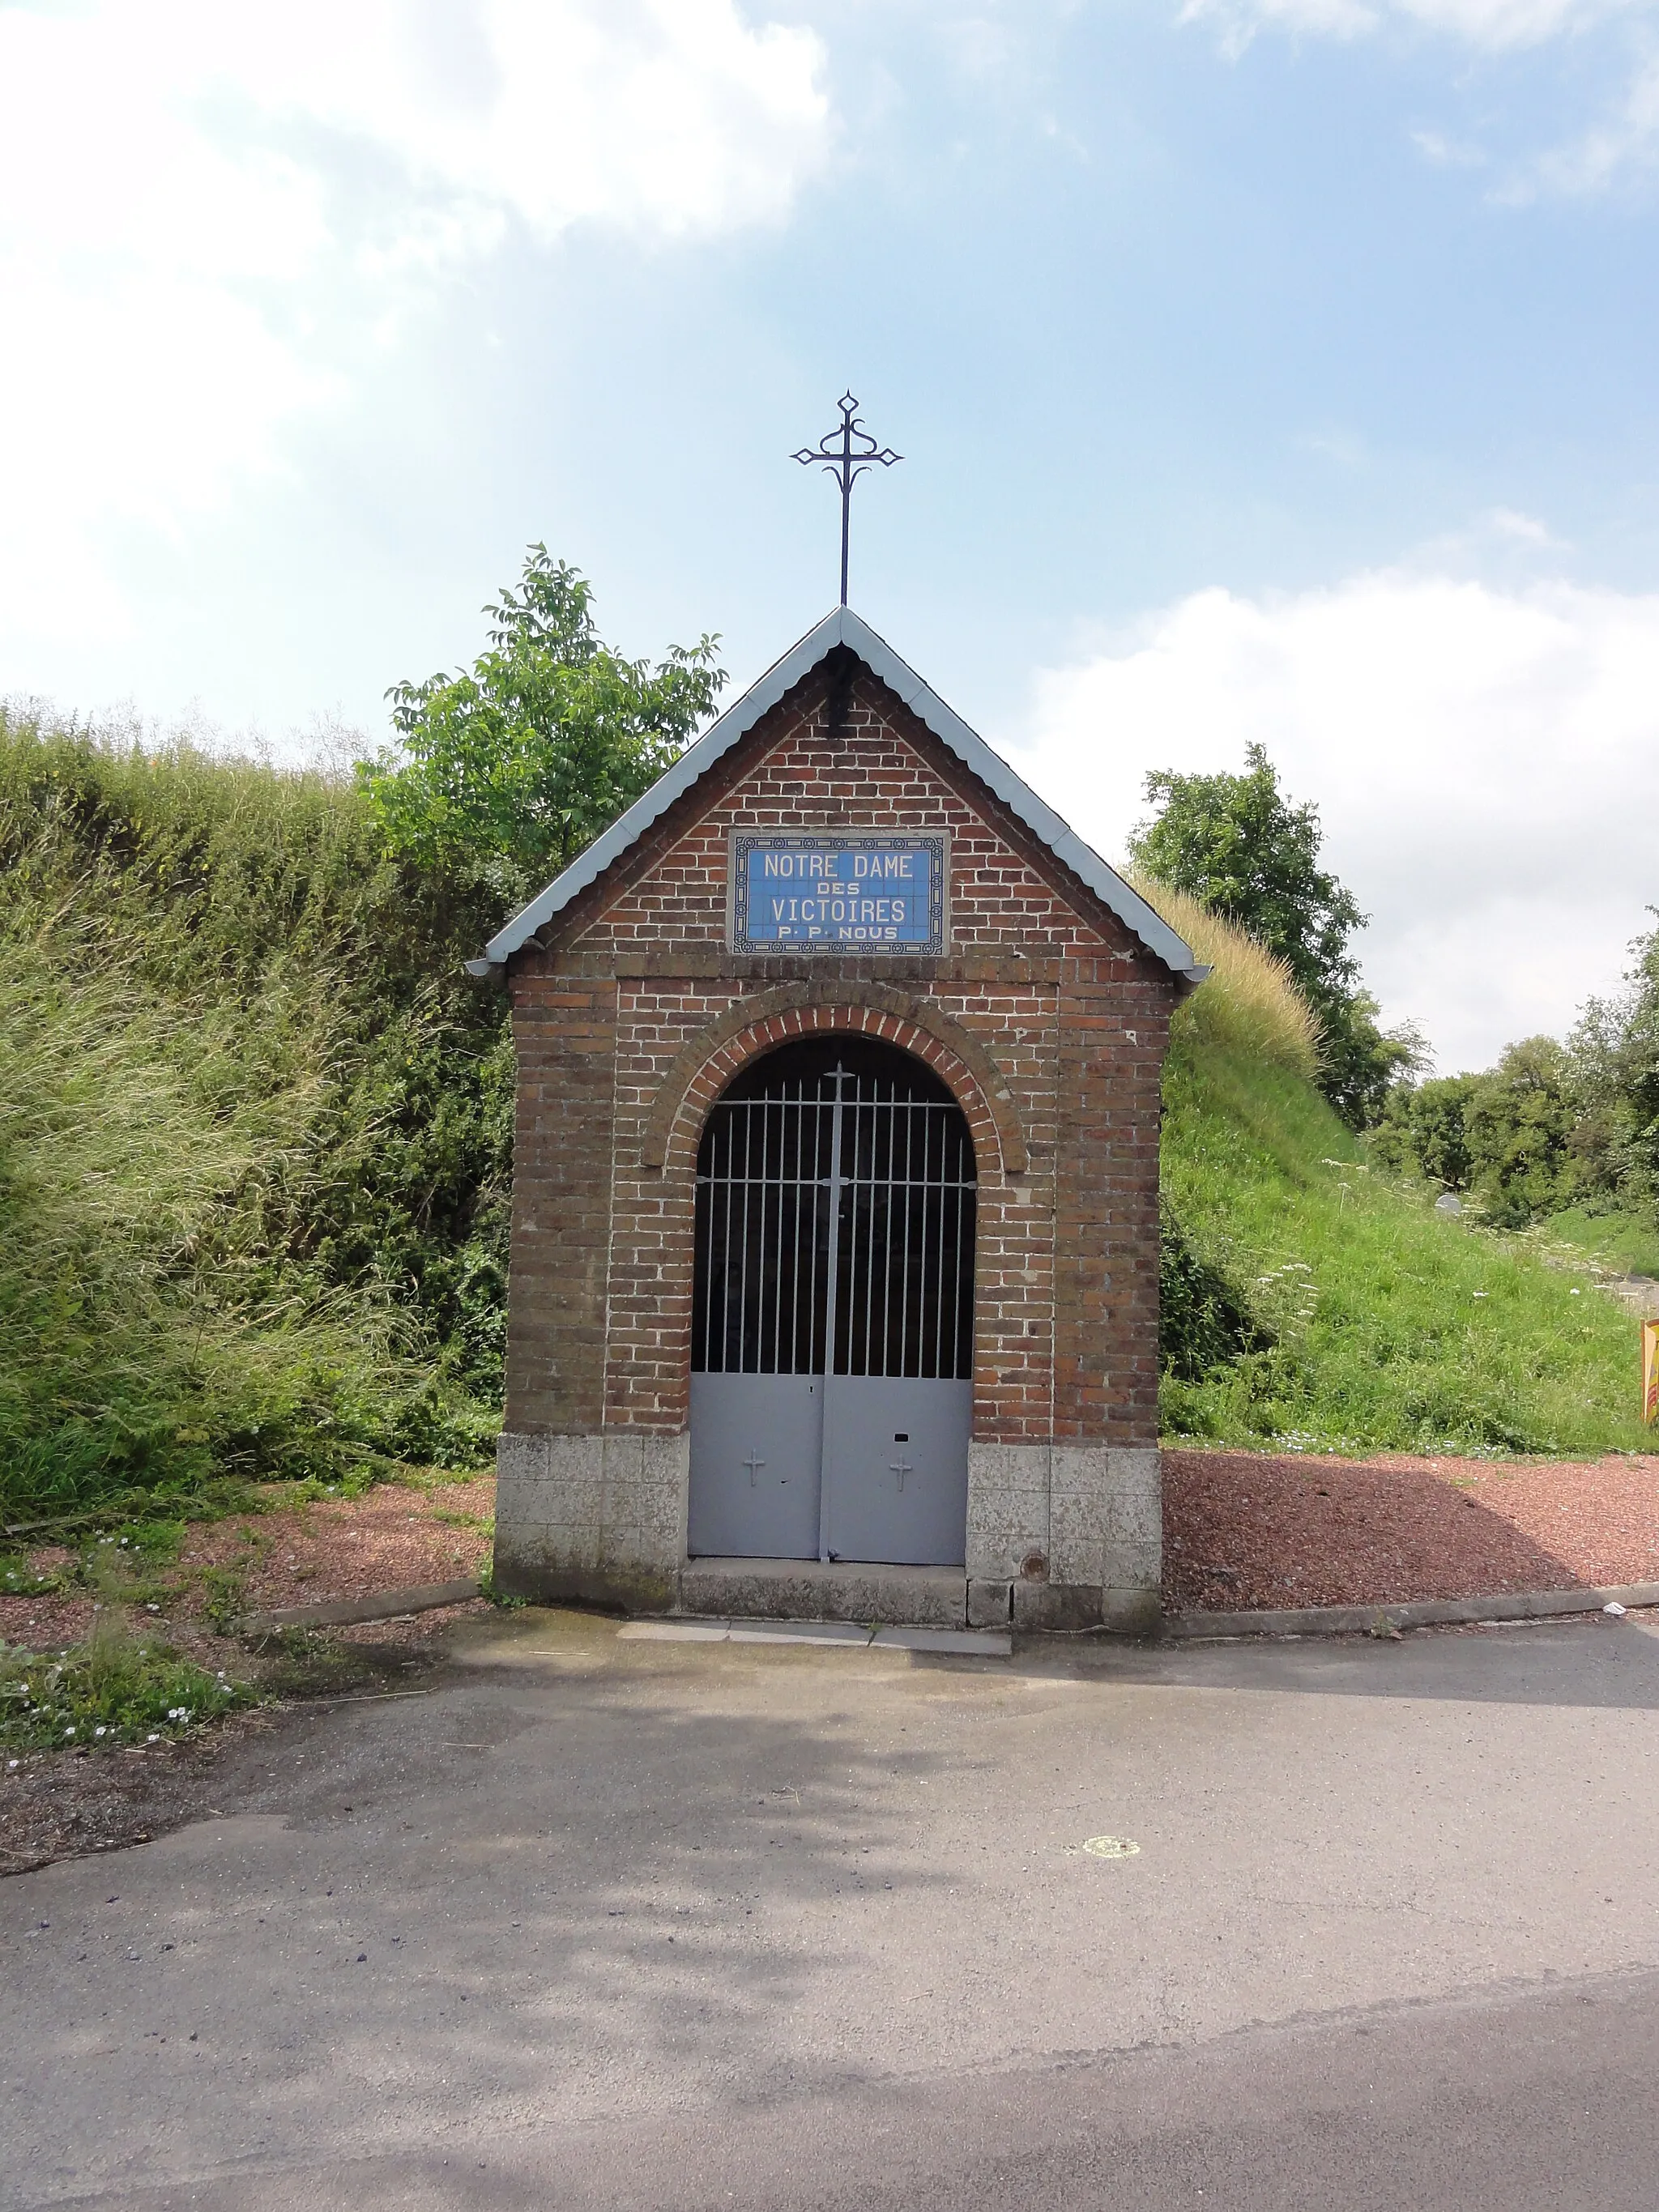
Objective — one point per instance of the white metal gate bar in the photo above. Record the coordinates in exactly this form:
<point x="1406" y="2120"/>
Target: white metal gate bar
<point x="852" y="1201"/>
<point x="906" y="1231"/>
<point x="763" y="1242"/>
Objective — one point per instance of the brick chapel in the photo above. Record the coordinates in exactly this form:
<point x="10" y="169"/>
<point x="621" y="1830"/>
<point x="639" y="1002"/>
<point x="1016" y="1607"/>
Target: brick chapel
<point x="833" y="1288"/>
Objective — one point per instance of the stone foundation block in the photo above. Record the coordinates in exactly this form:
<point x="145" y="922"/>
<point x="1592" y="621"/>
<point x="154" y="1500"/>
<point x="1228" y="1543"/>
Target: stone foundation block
<point x="1132" y="1612"/>
<point x="990" y="1604"/>
<point x="1007" y="1508"/>
<point x="1055" y="1605"/>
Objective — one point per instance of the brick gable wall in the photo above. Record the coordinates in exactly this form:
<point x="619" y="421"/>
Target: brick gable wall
<point x="1069" y="1009"/>
<point x="1046" y="1015"/>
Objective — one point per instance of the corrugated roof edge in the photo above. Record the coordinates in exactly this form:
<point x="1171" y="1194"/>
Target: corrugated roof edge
<point x="844" y="627"/>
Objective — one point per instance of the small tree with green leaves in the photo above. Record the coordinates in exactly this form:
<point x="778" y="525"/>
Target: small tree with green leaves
<point x="1614" y="1055"/>
<point x="1237" y="843"/>
<point x="1424" y="1130"/>
<point x="1520" y="1120"/>
<point x="518" y="765"/>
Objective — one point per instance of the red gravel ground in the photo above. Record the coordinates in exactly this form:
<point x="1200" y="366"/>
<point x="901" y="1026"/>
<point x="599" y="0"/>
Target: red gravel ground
<point x="1243" y="1529"/>
<point x="343" y="1548"/>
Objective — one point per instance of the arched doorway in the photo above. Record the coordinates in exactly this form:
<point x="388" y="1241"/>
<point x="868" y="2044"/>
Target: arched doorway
<point x="833" y="1314"/>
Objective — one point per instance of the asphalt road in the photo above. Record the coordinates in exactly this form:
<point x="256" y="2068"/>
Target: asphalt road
<point x="631" y="1924"/>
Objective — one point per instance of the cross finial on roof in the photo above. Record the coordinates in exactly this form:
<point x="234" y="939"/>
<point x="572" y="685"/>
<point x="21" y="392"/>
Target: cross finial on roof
<point x="844" y="454"/>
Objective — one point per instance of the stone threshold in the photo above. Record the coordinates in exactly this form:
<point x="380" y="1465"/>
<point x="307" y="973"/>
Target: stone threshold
<point x="799" y="1590"/>
<point x="837" y="1634"/>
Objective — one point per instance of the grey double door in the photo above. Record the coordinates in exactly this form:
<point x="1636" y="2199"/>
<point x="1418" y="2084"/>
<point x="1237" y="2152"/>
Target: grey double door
<point x="832" y="1333"/>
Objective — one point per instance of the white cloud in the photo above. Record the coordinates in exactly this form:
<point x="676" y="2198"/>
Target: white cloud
<point x="665" y="118"/>
<point x="190" y="253"/>
<point x="1486" y="763"/>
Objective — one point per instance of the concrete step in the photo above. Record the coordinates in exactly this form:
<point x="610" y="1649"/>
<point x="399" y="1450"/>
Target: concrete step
<point x="836" y="1635"/>
<point x="819" y="1590"/>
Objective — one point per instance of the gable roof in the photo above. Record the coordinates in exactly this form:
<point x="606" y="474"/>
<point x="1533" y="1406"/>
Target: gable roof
<point x="843" y="627"/>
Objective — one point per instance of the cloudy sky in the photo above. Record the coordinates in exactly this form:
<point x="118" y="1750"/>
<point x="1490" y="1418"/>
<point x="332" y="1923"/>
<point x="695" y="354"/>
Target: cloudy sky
<point x="1276" y="369"/>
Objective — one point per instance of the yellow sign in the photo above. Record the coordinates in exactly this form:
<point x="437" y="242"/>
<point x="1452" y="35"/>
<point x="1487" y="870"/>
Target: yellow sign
<point x="1651" y="1371"/>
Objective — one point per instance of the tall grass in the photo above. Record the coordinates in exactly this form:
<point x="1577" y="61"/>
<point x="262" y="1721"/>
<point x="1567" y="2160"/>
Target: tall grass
<point x="1249" y="1007"/>
<point x="151" y="1329"/>
<point x="254" y="1132"/>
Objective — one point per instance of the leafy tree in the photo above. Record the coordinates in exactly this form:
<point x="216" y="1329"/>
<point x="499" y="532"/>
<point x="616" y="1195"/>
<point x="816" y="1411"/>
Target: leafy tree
<point x="1236" y="842"/>
<point x="517" y="766"/>
<point x="1238" y="845"/>
<point x="1425" y="1127"/>
<point x="1360" y="1061"/>
<point x="1614" y="1056"/>
<point x="1520" y="1120"/>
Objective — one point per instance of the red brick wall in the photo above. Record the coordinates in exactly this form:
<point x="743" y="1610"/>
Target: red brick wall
<point x="1041" y="988"/>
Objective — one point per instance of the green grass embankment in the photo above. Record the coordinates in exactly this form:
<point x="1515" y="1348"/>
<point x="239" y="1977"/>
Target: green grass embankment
<point x="1380" y="1324"/>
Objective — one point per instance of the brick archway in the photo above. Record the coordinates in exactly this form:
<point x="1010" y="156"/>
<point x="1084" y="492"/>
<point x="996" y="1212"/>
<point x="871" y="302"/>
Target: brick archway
<point x="708" y="1065"/>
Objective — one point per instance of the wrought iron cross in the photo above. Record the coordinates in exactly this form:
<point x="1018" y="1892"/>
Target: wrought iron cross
<point x="844" y="454"/>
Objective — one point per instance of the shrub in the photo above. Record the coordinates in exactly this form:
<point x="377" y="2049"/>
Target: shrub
<point x="1424" y="1131"/>
<point x="1519" y="1120"/>
<point x="1204" y="1318"/>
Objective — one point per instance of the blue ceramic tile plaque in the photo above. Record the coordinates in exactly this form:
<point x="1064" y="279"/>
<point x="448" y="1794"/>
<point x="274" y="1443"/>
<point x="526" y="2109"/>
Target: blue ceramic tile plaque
<point x="828" y="894"/>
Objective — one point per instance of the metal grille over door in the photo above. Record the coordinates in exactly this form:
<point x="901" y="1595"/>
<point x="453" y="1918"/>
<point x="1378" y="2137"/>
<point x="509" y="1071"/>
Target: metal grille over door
<point x="832" y="1332"/>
